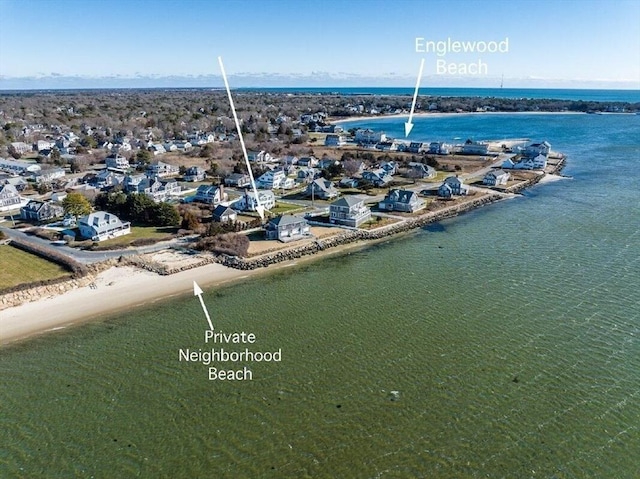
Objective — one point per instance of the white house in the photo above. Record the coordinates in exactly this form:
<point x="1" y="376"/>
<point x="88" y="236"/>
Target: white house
<point x="496" y="178"/>
<point x="47" y="176"/>
<point x="275" y="179"/>
<point x="369" y="136"/>
<point x="349" y="211"/>
<point x="9" y="196"/>
<point x="116" y="161"/>
<point x="161" y="169"/>
<point x="101" y="225"/>
<point x="18" y="166"/>
<point x="194" y="173"/>
<point x="535" y="149"/>
<point x="261" y="157"/>
<point x="211" y="194"/>
<point x="247" y="202"/>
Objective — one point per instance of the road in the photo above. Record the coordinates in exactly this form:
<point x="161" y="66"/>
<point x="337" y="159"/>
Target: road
<point x="88" y="257"/>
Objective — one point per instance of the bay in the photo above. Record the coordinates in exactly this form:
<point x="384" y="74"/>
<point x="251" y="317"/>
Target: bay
<point x="501" y="343"/>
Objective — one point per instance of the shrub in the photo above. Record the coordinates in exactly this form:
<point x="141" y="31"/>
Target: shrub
<point x="229" y="243"/>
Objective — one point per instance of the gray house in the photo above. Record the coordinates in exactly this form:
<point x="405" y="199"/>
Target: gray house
<point x="287" y="228"/>
<point x="101" y="225"/>
<point x="194" y="173"/>
<point x="322" y="189"/>
<point x="349" y="211"/>
<point x="238" y="180"/>
<point x="40" y="211"/>
<point x="9" y="196"/>
<point x="224" y="214"/>
<point x="452" y="186"/>
<point x="402" y="200"/>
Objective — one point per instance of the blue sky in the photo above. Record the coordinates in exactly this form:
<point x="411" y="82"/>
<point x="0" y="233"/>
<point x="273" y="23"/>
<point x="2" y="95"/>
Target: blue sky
<point x="571" y="42"/>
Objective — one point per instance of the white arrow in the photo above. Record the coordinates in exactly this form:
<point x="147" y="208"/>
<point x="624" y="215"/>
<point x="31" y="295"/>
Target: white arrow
<point x="197" y="291"/>
<point x="259" y="207"/>
<point x="408" y="126"/>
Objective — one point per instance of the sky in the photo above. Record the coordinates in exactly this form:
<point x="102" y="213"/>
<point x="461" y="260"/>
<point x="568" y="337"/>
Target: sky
<point x="552" y="43"/>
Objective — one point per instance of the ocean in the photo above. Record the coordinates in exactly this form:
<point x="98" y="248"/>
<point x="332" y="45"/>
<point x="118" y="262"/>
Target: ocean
<point x="631" y="96"/>
<point x="502" y="343"/>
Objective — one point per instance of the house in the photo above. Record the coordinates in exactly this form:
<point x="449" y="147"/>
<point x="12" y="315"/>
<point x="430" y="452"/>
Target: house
<point x="420" y="170"/>
<point x="170" y="146"/>
<point x="349" y="211"/>
<point x="47" y="176"/>
<point x="261" y="157"/>
<point x="535" y="149"/>
<point x="415" y="147"/>
<point x="157" y="149"/>
<point x="378" y="178"/>
<point x="21" y="147"/>
<point x="335" y="140"/>
<point x="161" y="190"/>
<point x="42" y="145"/>
<point x="496" y="178"/>
<point x="402" y="200"/>
<point x="183" y="145"/>
<point x="106" y="179"/>
<point x="161" y="169"/>
<point x="327" y="162"/>
<point x="452" y="186"/>
<point x="18" y="182"/>
<point x="247" y="202"/>
<point x="290" y="160"/>
<point x="37" y="210"/>
<point x="537" y="163"/>
<point x="194" y="173"/>
<point x="368" y="136"/>
<point x="9" y="196"/>
<point x="239" y="180"/>
<point x="508" y="164"/>
<point x="322" y="189"/>
<point x="287" y="228"/>
<point x="117" y="162"/>
<point x="211" y="194"/>
<point x="275" y="179"/>
<point x="308" y="161"/>
<point x="135" y="183"/>
<point x="307" y="175"/>
<point x="390" y="167"/>
<point x="438" y="148"/>
<point x="474" y="148"/>
<point x="224" y="214"/>
<point x="19" y="167"/>
<point x="100" y="225"/>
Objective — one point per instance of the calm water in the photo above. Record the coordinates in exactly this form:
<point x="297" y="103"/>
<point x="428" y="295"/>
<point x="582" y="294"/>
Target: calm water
<point x="511" y="335"/>
<point x="632" y="96"/>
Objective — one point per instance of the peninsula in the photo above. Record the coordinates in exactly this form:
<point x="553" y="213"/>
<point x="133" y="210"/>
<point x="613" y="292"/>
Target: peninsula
<point x="115" y="199"/>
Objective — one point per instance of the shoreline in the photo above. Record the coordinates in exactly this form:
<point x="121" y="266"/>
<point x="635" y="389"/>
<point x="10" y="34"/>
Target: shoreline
<point x="135" y="286"/>
<point x="443" y="115"/>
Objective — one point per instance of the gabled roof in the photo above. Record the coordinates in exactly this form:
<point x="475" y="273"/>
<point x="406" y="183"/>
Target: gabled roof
<point x="222" y="210"/>
<point x="285" y="220"/>
<point x="401" y="196"/>
<point x="348" y="201"/>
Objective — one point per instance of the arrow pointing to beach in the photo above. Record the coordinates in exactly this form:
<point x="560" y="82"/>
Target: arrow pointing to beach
<point x="197" y="291"/>
<point x="259" y="207"/>
<point x="408" y="126"/>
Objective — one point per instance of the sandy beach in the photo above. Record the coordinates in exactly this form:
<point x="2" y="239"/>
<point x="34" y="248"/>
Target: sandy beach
<point x="122" y="288"/>
<point x="116" y="289"/>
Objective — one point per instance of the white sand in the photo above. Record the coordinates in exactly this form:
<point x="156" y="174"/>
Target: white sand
<point x="117" y="289"/>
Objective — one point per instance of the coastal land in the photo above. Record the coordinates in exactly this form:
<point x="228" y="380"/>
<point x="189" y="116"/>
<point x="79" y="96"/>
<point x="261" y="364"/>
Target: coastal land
<point x="155" y="262"/>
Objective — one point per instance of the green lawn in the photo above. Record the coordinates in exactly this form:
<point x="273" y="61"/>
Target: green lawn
<point x="137" y="232"/>
<point x="282" y="208"/>
<point x="20" y="267"/>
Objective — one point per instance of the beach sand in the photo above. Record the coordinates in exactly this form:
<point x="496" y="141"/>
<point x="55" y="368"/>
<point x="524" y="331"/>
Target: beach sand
<point x="116" y="289"/>
<point x="122" y="288"/>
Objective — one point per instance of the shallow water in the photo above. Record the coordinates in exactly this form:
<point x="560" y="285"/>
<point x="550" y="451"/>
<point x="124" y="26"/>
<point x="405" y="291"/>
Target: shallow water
<point x="510" y="336"/>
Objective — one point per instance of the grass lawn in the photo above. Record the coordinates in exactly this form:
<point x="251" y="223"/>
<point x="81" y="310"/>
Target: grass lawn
<point x="20" y="267"/>
<point x="137" y="232"/>
<point x="282" y="208"/>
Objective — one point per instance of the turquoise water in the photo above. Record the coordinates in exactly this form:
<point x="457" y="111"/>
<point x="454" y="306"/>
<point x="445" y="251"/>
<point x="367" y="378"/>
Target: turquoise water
<point x="510" y="335"/>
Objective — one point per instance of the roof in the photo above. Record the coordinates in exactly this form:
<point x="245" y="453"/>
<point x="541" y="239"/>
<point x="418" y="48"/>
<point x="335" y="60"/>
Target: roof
<point x="222" y="210"/>
<point x="348" y="201"/>
<point x="400" y="196"/>
<point x="285" y="220"/>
